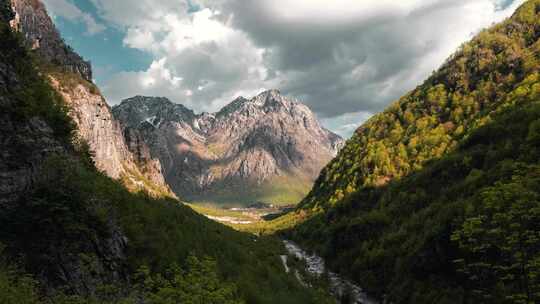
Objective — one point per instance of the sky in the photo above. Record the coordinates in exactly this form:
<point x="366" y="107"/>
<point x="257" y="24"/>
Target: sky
<point x="345" y="59"/>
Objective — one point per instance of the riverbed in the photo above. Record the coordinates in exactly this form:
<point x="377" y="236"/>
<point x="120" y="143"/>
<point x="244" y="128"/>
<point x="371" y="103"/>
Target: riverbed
<point x="316" y="266"/>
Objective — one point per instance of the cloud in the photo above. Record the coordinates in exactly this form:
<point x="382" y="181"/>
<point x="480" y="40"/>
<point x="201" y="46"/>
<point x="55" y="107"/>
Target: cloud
<point x="348" y="56"/>
<point x="214" y="61"/>
<point x="346" y="59"/>
<point x="346" y="124"/>
<point x="69" y="11"/>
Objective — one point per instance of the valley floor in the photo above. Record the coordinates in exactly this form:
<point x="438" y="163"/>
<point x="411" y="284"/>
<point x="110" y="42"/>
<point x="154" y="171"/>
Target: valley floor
<point x="253" y="219"/>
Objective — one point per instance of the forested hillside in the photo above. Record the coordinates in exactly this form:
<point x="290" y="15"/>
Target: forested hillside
<point x="437" y="199"/>
<point x="490" y="72"/>
<point x="70" y="234"/>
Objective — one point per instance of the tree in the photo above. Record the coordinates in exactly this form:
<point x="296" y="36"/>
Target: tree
<point x="502" y="243"/>
<point x="197" y="283"/>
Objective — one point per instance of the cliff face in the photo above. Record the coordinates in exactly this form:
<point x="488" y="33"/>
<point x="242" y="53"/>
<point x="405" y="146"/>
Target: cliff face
<point x="30" y="140"/>
<point x="267" y="148"/>
<point x="111" y="153"/>
<point x="71" y="76"/>
<point x="35" y="131"/>
<point x="32" y="20"/>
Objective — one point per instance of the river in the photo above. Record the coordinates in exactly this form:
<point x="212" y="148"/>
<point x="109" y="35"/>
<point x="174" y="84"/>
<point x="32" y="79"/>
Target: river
<point x="316" y="266"/>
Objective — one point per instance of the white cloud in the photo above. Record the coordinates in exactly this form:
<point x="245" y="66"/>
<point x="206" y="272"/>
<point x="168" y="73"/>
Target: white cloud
<point x="68" y="10"/>
<point x="346" y="124"/>
<point x="344" y="58"/>
<point x="213" y="60"/>
<point x="139" y="39"/>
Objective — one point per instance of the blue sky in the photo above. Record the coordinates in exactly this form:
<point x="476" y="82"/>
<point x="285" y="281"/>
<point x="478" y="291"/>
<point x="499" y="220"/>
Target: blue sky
<point x="104" y="49"/>
<point x="345" y="59"/>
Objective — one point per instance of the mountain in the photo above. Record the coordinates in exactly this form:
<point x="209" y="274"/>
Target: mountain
<point x="41" y="36"/>
<point x="268" y="148"/>
<point x="436" y="199"/>
<point x="429" y="121"/>
<point x="71" y="77"/>
<point x="72" y="234"/>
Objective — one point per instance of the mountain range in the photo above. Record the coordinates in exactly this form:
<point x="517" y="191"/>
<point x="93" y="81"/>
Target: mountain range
<point x="86" y="215"/>
<point x="434" y="200"/>
<point x="264" y="149"/>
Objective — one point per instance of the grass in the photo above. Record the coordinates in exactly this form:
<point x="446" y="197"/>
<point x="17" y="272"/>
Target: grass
<point x="206" y="209"/>
<point x="258" y="226"/>
<point x="135" y="181"/>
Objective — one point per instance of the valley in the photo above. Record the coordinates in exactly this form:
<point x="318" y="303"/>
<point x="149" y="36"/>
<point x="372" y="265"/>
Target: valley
<point x="252" y="218"/>
<point x="199" y="197"/>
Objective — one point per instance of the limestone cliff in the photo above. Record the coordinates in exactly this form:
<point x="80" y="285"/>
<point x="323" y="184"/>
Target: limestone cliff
<point x="71" y="76"/>
<point x="41" y="35"/>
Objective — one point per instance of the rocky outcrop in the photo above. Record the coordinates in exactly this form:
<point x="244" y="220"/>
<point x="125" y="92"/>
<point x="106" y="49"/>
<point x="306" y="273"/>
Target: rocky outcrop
<point x="41" y="35"/>
<point x="71" y="76"/>
<point x="24" y="144"/>
<point x="104" y="135"/>
<point x="267" y="148"/>
<point x="27" y="141"/>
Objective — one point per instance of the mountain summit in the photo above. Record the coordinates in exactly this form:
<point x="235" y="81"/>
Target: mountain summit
<point x="267" y="148"/>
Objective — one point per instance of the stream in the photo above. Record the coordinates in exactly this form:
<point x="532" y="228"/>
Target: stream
<point x="315" y="265"/>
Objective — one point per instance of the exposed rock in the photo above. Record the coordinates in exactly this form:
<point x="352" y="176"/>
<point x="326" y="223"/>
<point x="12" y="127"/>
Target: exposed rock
<point x="41" y="35"/>
<point x="104" y="135"/>
<point x="266" y="148"/>
<point x="89" y="110"/>
<point x="25" y="145"/>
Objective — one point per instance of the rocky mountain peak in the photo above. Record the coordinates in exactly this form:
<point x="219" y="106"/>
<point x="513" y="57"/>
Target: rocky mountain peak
<point x="268" y="147"/>
<point x="119" y="153"/>
<point x="153" y="110"/>
<point x="41" y="36"/>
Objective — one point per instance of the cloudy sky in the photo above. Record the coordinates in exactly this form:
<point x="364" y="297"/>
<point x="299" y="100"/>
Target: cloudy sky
<point x="345" y="59"/>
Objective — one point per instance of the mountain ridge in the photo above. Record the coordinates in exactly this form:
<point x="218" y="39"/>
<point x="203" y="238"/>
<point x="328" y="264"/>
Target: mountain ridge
<point x="428" y="121"/>
<point x="71" y="77"/>
<point x="263" y="141"/>
<point x="73" y="234"/>
<point x="436" y="199"/>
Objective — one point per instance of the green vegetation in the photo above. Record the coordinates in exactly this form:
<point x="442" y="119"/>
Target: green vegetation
<point x="134" y="181"/>
<point x="424" y="240"/>
<point x="216" y="211"/>
<point x="280" y="190"/>
<point x="437" y="200"/>
<point x="31" y="87"/>
<point x="73" y="218"/>
<point x="259" y="224"/>
<point x="16" y="287"/>
<point x="196" y="282"/>
<point x="490" y="72"/>
<point x="67" y="80"/>
<point x="5" y="11"/>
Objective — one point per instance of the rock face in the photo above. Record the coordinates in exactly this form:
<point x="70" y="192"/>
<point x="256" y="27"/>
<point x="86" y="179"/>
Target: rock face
<point x="112" y="154"/>
<point x="41" y="35"/>
<point x="26" y="143"/>
<point x="71" y="76"/>
<point x="267" y="148"/>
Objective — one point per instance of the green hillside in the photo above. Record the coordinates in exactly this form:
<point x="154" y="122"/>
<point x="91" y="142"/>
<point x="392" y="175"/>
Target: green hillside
<point x="437" y="199"/>
<point x="488" y="73"/>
